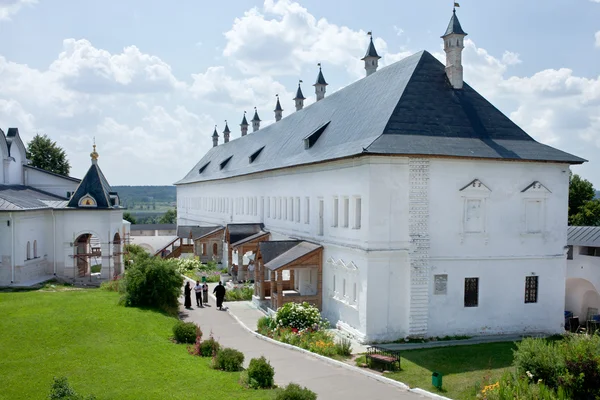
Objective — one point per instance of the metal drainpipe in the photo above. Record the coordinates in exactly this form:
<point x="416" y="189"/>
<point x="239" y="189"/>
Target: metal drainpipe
<point x="54" y="239"/>
<point x="12" y="247"/>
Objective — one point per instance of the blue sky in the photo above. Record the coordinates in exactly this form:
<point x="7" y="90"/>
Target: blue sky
<point x="150" y="80"/>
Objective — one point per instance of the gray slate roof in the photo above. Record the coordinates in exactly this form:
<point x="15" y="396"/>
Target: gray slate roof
<point x="23" y="198"/>
<point x="249" y="238"/>
<point x="407" y="108"/>
<point x="183" y="231"/>
<point x="454" y="26"/>
<point x="238" y="232"/>
<point x="301" y="249"/>
<point x="274" y="248"/>
<point x="584" y="236"/>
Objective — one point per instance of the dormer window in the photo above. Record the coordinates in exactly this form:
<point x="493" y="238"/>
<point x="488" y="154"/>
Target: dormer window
<point x="312" y="138"/>
<point x="255" y="154"/>
<point x="87" y="201"/>
<point x="201" y="170"/>
<point x="225" y="162"/>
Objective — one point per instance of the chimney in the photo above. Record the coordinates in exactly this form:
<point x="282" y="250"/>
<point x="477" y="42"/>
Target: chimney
<point x="278" y="110"/>
<point x="453" y="46"/>
<point x="215" y="137"/>
<point x="244" y="125"/>
<point x="320" y="85"/>
<point x="371" y="57"/>
<point x="299" y="99"/>
<point x="226" y="133"/>
<point x="255" y="121"/>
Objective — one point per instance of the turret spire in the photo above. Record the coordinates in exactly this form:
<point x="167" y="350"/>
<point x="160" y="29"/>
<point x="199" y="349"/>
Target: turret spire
<point x="94" y="154"/>
<point x="371" y="57"/>
<point x="244" y="125"/>
<point x="278" y="110"/>
<point x="453" y="46"/>
<point x="226" y="133"/>
<point x="299" y="99"/>
<point x="255" y="121"/>
<point x="215" y="137"/>
<point x="320" y="84"/>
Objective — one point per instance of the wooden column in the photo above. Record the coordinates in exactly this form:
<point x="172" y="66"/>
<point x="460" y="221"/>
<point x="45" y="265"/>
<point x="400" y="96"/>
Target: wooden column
<point x="241" y="270"/>
<point x="279" y="288"/>
<point x="320" y="281"/>
<point x="292" y="278"/>
<point x="273" y="299"/>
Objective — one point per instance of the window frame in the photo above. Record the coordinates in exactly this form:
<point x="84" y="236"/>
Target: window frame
<point x="471" y="300"/>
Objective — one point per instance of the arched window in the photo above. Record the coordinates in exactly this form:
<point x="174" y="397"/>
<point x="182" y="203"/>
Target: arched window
<point x="35" y="249"/>
<point x="215" y="249"/>
<point x="203" y="249"/>
<point x="28" y="250"/>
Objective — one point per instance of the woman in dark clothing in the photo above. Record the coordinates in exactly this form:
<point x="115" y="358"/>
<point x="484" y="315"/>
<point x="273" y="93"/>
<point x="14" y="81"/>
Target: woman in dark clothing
<point x="188" y="295"/>
<point x="219" y="292"/>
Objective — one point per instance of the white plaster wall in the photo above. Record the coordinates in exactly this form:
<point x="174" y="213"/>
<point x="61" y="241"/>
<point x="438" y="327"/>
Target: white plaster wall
<point x="584" y="267"/>
<point x="49" y="183"/>
<point x="15" y="168"/>
<point x="580" y="295"/>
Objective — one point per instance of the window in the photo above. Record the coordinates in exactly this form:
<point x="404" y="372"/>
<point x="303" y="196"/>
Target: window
<point x="268" y="207"/>
<point x="215" y="249"/>
<point x="471" y="292"/>
<point x="531" y="289"/>
<point x="357" y="212"/>
<point x="291" y="213"/>
<point x="533" y="216"/>
<point x="203" y="249"/>
<point x="473" y="216"/>
<point x="28" y="251"/>
<point x="335" y="212"/>
<point x="570" y="253"/>
<point x="312" y="138"/>
<point x="279" y="208"/>
<point x="440" y="284"/>
<point x="321" y="211"/>
<point x="307" y="210"/>
<point x="35" y="249"/>
<point x="297" y="209"/>
<point x="346" y="212"/>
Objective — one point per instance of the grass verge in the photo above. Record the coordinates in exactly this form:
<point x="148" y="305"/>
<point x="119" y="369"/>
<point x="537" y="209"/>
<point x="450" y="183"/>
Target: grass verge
<point x="104" y="349"/>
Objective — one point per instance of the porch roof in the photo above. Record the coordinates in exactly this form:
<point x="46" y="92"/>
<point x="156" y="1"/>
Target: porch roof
<point x="195" y="232"/>
<point x="289" y="256"/>
<point x="250" y="238"/>
<point x="238" y="232"/>
<point x="584" y="236"/>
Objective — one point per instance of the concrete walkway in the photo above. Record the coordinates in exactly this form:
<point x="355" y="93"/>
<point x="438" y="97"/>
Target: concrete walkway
<point x="330" y="382"/>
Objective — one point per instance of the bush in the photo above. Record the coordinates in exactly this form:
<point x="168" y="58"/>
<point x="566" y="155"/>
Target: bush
<point x="186" y="332"/>
<point x="133" y="253"/>
<point x="264" y="324"/>
<point x="510" y="387"/>
<point x="243" y="293"/>
<point x="260" y="373"/>
<point x="113" y="285"/>
<point x="209" y="347"/>
<point x="582" y="361"/>
<point x="153" y="282"/>
<point x="227" y="359"/>
<point x="62" y="390"/>
<point x="295" y="392"/>
<point x="542" y="360"/>
<point x="298" y="316"/>
<point x="344" y="347"/>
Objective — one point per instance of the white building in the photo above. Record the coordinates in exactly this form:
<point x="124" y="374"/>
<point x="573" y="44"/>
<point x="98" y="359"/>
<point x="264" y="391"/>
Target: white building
<point x="437" y="214"/>
<point x="53" y="225"/>
<point x="583" y="272"/>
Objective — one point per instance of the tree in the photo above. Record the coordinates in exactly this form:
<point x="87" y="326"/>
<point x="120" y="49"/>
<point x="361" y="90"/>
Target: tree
<point x="170" y="217"/>
<point x="45" y="154"/>
<point x="128" y="217"/>
<point x="583" y="209"/>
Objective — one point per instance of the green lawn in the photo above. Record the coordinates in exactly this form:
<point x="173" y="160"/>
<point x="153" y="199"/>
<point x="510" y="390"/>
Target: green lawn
<point x="462" y="367"/>
<point x="102" y="348"/>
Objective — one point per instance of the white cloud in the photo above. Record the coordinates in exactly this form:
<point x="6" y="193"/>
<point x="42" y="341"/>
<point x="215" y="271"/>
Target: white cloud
<point x="8" y="8"/>
<point x="598" y="36"/>
<point x="510" y="58"/>
<point x="399" y="31"/>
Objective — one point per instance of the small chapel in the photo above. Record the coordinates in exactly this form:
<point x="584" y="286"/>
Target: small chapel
<point x="403" y="205"/>
<point x="55" y="226"/>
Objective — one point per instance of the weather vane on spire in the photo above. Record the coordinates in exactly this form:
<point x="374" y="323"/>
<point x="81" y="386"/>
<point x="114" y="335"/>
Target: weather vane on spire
<point x="94" y="154"/>
<point x="456" y="5"/>
<point x="370" y="33"/>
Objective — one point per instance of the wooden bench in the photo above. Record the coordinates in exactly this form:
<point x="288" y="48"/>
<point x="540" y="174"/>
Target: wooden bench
<point x="383" y="356"/>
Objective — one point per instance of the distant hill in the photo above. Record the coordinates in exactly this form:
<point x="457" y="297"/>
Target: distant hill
<point x="146" y="194"/>
<point x="598" y="194"/>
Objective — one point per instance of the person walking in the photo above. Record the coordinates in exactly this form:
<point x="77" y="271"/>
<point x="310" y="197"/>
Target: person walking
<point x="198" y="290"/>
<point x="219" y="292"/>
<point x="188" y="295"/>
<point x="205" y="293"/>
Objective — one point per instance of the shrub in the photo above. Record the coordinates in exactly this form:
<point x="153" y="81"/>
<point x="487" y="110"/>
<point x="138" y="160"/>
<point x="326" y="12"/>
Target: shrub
<point x="153" y="282"/>
<point x="209" y="347"/>
<point x="62" y="390"/>
<point x="295" y="392"/>
<point x="582" y="361"/>
<point x="243" y="293"/>
<point x="298" y="316"/>
<point x="113" y="285"/>
<point x="344" y="347"/>
<point x="542" y="360"/>
<point x="186" y="332"/>
<point x="227" y="359"/>
<point x="260" y="373"/>
<point x="134" y="252"/>
<point x="511" y="387"/>
<point x="264" y="324"/>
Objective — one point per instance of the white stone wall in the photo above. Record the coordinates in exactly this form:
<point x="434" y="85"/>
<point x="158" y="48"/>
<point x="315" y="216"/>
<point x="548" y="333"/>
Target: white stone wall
<point x="49" y="183"/>
<point x="583" y="283"/>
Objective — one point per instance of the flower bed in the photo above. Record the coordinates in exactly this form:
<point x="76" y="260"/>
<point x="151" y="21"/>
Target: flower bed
<point x="301" y="325"/>
<point x="193" y="268"/>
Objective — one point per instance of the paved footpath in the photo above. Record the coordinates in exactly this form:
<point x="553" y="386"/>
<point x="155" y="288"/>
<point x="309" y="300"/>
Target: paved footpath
<point x="330" y="382"/>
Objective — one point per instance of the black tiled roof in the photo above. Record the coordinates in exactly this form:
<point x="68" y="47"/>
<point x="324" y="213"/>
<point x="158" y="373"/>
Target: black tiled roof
<point x="255" y="118"/>
<point x="454" y="26"/>
<point x="278" y="106"/>
<point x="272" y="249"/>
<point x="371" y="52"/>
<point x="407" y="108"/>
<point x="299" y="94"/>
<point x="244" y="121"/>
<point x="95" y="184"/>
<point x="238" y="232"/>
<point x="320" y="78"/>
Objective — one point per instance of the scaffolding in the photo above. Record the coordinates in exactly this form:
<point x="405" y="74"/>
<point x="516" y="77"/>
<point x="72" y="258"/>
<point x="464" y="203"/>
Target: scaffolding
<point x="96" y="252"/>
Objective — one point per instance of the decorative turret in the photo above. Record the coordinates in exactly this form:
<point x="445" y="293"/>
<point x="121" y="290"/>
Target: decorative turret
<point x="215" y="137"/>
<point x="278" y="110"/>
<point x="255" y="121"/>
<point x="320" y="85"/>
<point x="371" y="57"/>
<point x="453" y="46"/>
<point x="299" y="99"/>
<point x="226" y="133"/>
<point x="244" y="125"/>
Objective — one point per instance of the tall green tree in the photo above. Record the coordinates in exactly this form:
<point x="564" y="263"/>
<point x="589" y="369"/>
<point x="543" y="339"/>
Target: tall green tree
<point x="128" y="217"/>
<point x="170" y="217"/>
<point x="47" y="155"/>
<point x="583" y="209"/>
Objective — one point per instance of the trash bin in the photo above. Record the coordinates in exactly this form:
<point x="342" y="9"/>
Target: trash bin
<point x="436" y="380"/>
<point x="203" y="279"/>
